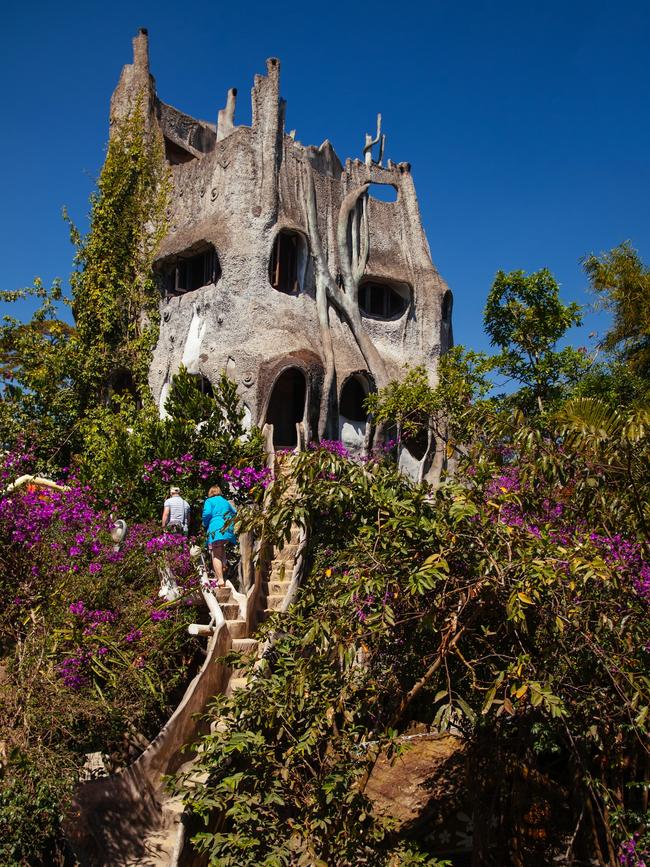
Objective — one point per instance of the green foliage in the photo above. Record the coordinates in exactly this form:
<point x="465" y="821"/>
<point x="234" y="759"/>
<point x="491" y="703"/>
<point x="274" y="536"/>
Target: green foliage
<point x="525" y="318"/>
<point x="614" y="382"/>
<point x="36" y="392"/>
<point x="510" y="607"/>
<point x="115" y="300"/>
<point x="30" y="812"/>
<point x="121" y="446"/>
<point x="622" y="283"/>
<point x="449" y="409"/>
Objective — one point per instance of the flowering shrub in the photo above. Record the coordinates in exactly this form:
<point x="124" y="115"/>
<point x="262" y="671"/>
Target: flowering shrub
<point x="633" y="853"/>
<point x="334" y="447"/>
<point x="175" y="469"/>
<point x="243" y="480"/>
<point x="509" y="606"/>
<point x="80" y="619"/>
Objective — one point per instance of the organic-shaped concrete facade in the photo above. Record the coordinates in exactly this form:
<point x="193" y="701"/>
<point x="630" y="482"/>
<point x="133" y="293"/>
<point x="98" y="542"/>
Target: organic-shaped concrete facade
<point x="361" y="296"/>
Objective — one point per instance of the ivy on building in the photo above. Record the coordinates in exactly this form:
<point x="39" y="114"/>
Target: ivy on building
<point x="114" y="295"/>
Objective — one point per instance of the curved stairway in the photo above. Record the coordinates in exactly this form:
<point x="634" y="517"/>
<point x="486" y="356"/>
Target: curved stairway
<point x="162" y="844"/>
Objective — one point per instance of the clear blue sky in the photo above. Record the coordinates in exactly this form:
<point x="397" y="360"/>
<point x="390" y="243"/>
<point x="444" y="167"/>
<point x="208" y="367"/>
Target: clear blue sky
<point x="526" y="124"/>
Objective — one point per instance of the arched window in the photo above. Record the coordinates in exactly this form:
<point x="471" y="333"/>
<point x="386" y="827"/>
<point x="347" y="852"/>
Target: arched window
<point x="383" y="300"/>
<point x="191" y="270"/>
<point x="287" y="407"/>
<point x="416" y="444"/>
<point x="288" y="261"/>
<point x="353" y="395"/>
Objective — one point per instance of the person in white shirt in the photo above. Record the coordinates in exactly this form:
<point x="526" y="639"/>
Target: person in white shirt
<point x="176" y="513"/>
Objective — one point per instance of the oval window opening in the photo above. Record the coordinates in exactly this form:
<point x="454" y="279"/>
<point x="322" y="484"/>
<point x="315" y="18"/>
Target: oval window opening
<point x="383" y="192"/>
<point x="191" y="270"/>
<point x="205" y="386"/>
<point x="383" y="300"/>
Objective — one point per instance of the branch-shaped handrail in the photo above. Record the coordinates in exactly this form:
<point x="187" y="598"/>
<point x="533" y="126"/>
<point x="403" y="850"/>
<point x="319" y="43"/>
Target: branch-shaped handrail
<point x="34" y="480"/>
<point x="207" y="590"/>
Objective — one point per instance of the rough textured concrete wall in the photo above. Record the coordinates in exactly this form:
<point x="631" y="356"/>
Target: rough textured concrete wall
<point x="237" y="187"/>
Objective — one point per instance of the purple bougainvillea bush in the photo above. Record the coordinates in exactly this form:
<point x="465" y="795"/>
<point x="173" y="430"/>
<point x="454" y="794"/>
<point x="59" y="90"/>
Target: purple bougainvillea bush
<point x="94" y="657"/>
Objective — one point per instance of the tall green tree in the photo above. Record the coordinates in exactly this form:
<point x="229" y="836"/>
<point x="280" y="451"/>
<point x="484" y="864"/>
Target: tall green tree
<point x="37" y="399"/>
<point x="525" y="319"/>
<point x="622" y="283"/>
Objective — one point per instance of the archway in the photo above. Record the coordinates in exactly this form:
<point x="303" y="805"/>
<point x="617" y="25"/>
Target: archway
<point x="353" y="417"/>
<point x="287" y="407"/>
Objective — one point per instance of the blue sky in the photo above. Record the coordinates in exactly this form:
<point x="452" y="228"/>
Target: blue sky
<point x="526" y="124"/>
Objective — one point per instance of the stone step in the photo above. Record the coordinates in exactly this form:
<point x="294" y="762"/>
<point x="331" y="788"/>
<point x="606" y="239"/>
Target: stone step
<point x="218" y="725"/>
<point x="230" y="610"/>
<point x="274" y="601"/>
<point x="236" y="683"/>
<point x="276" y="588"/>
<point x="280" y="574"/>
<point x="246" y="645"/>
<point x="192" y="777"/>
<point x="223" y="594"/>
<point x="237" y="628"/>
<point x="285" y="554"/>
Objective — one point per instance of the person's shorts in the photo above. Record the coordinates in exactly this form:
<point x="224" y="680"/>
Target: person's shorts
<point x="218" y="548"/>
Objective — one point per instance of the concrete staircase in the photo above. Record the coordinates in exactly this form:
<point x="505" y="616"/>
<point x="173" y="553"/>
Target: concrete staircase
<point x="160" y="844"/>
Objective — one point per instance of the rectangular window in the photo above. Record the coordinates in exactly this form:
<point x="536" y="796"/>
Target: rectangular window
<point x="192" y="272"/>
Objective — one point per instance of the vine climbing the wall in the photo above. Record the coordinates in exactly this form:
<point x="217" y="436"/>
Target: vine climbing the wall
<point x="115" y="302"/>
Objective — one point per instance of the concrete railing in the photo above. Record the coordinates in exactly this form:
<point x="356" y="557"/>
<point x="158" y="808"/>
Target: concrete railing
<point x="109" y="816"/>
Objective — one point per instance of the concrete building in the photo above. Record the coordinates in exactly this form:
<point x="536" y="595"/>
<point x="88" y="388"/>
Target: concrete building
<point x="289" y="269"/>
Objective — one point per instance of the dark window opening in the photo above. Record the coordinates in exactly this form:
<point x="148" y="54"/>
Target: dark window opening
<point x="285" y="261"/>
<point x="287" y="407"/>
<point x="205" y="386"/>
<point x="416" y="443"/>
<point x="353" y="396"/>
<point x="175" y="154"/>
<point x="189" y="272"/>
<point x="122" y="383"/>
<point x="446" y="306"/>
<point x="383" y="300"/>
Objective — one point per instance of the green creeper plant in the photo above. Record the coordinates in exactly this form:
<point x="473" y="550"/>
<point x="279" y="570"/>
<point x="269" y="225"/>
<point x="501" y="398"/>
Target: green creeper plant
<point x="114" y="296"/>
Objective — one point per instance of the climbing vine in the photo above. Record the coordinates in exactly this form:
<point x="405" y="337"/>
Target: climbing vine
<point x="115" y="302"/>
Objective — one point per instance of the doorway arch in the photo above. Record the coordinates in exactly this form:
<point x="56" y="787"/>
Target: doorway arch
<point x="286" y="407"/>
